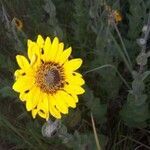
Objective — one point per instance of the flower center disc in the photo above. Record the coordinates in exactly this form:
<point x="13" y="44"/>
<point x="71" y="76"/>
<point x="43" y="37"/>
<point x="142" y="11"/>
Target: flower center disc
<point x="50" y="77"/>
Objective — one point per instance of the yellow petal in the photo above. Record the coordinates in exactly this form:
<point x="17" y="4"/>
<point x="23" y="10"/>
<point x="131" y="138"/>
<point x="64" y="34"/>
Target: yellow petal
<point x="54" y="49"/>
<point x="43" y="104"/>
<point x="36" y="51"/>
<point x="75" y="89"/>
<point x="60" y="104"/>
<point x="40" y="41"/>
<point x="33" y="97"/>
<point x="65" y="55"/>
<point x="29" y="99"/>
<point x="33" y="50"/>
<point x="72" y="65"/>
<point x="67" y="98"/>
<point x="54" y="112"/>
<point x="77" y="74"/>
<point x="30" y="46"/>
<point x="23" y="73"/>
<point x="74" y="79"/>
<point x="59" y="52"/>
<point x="37" y="97"/>
<point x="47" y="116"/>
<point x="75" y="97"/>
<point x="52" y="109"/>
<point x="22" y="61"/>
<point x="24" y="96"/>
<point x="19" y="73"/>
<point x="34" y="60"/>
<point x="47" y="48"/>
<point x="34" y="112"/>
<point x="42" y="114"/>
<point x="22" y="84"/>
<point x="29" y="104"/>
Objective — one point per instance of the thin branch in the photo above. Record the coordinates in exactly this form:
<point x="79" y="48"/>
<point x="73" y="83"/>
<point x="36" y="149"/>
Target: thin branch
<point x="111" y="66"/>
<point x="95" y="134"/>
<point x="123" y="45"/>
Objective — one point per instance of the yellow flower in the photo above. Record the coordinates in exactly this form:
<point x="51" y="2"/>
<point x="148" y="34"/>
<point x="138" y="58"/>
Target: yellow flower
<point x="113" y="15"/>
<point x="117" y="16"/>
<point x="48" y="82"/>
<point x="18" y="23"/>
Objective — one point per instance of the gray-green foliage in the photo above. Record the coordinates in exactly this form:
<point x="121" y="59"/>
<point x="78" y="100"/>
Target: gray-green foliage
<point x="104" y="52"/>
<point x="137" y="16"/>
<point x="98" y="109"/>
<point x="82" y="141"/>
<point x="81" y="21"/>
<point x="136" y="111"/>
<point x="52" y="21"/>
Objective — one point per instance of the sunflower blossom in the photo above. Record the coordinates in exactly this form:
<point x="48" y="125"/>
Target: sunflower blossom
<point x="47" y="81"/>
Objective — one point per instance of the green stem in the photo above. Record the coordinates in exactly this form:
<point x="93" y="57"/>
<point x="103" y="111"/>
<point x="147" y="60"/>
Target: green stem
<point x="95" y="134"/>
<point x="111" y="66"/>
<point x="121" y="53"/>
<point x="123" y="46"/>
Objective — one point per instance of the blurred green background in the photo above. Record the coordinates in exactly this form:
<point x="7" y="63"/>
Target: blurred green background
<point x="116" y="70"/>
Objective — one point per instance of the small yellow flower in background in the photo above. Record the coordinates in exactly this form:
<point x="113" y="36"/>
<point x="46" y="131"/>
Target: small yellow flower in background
<point x="113" y="15"/>
<point x="48" y="82"/>
<point x="117" y="16"/>
<point x="18" y="23"/>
